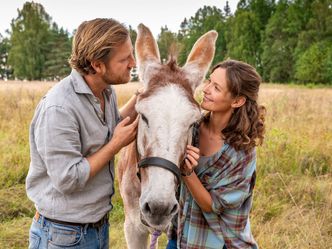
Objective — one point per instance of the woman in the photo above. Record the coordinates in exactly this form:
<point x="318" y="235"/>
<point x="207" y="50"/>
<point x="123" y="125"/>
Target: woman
<point x="219" y="174"/>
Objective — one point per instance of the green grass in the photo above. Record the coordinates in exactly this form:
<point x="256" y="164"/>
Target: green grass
<point x="293" y="194"/>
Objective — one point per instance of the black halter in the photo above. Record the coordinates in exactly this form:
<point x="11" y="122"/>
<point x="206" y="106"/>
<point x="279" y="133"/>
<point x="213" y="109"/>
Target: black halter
<point x="161" y="163"/>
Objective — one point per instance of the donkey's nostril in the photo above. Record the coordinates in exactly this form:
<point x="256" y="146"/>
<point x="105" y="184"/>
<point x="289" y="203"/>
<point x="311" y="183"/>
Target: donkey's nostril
<point x="174" y="209"/>
<point x="160" y="209"/>
<point x="146" y="208"/>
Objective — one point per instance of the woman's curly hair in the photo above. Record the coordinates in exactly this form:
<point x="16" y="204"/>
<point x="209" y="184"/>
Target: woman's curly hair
<point x="246" y="128"/>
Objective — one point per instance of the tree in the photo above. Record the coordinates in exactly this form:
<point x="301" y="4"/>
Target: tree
<point x="227" y="10"/>
<point x="56" y="63"/>
<point x="243" y="38"/>
<point x="314" y="46"/>
<point x="314" y="65"/>
<point x="245" y="31"/>
<point x="30" y="33"/>
<point x="206" y="19"/>
<point x="5" y="71"/>
<point x="132" y="34"/>
<point x="263" y="10"/>
<point x="278" y="47"/>
<point x="167" y="41"/>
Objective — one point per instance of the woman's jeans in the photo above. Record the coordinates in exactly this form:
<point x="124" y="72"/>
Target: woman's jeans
<point x="171" y="244"/>
<point x="52" y="235"/>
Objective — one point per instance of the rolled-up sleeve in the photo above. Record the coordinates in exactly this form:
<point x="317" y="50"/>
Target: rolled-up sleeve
<point x="231" y="192"/>
<point x="58" y="142"/>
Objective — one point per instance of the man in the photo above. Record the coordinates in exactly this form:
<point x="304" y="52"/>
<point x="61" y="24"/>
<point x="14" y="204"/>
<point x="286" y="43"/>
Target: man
<point x="74" y="135"/>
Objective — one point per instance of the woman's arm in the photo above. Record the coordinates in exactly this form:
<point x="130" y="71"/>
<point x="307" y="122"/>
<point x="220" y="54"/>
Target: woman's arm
<point x="196" y="188"/>
<point x="229" y="192"/>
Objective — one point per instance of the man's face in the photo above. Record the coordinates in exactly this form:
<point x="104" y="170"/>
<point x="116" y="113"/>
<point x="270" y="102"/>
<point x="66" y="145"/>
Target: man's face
<point x="119" y="66"/>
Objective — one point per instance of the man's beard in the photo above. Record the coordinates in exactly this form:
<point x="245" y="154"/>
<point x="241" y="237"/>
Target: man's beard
<point x="115" y="79"/>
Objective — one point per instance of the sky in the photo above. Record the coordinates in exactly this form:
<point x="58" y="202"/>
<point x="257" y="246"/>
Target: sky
<point x="153" y="13"/>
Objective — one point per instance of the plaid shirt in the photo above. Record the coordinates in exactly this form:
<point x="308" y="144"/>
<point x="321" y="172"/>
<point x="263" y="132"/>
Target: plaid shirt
<point x="229" y="176"/>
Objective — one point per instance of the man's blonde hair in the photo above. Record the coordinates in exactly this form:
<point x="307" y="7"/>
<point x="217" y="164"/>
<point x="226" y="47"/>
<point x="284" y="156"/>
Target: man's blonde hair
<point x="96" y="40"/>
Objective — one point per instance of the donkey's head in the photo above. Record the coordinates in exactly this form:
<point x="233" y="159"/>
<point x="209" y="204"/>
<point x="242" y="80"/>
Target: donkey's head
<point x="167" y="112"/>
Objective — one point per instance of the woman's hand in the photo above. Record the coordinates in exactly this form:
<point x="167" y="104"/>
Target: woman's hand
<point x="190" y="161"/>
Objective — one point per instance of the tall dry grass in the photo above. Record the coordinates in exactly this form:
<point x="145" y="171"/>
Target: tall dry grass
<point x="293" y="196"/>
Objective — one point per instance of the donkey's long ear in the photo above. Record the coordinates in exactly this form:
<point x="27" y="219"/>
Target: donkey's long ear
<point x="147" y="53"/>
<point x="200" y="58"/>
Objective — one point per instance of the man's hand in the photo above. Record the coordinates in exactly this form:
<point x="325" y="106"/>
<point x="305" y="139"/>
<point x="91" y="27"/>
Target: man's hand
<point x="124" y="133"/>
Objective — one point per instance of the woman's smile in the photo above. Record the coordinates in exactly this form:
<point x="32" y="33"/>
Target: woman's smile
<point x="206" y="99"/>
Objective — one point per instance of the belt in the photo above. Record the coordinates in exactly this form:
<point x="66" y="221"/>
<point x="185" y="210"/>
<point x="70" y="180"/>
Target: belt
<point x="97" y="224"/>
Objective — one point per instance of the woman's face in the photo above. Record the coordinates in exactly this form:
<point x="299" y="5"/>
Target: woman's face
<point x="217" y="98"/>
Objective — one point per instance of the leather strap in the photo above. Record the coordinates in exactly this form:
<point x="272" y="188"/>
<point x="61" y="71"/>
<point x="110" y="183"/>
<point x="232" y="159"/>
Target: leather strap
<point x="97" y="224"/>
<point x="161" y="163"/>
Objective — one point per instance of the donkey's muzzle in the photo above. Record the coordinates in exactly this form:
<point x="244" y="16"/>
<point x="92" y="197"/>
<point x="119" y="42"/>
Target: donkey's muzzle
<point x="156" y="213"/>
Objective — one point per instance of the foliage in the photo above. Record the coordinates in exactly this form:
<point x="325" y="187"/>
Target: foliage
<point x="205" y="19"/>
<point x="279" y="38"/>
<point x="39" y="49"/>
<point x="56" y="64"/>
<point x="5" y="71"/>
<point x="243" y="40"/>
<point x="314" y="49"/>
<point x="314" y="65"/>
<point x="167" y="43"/>
<point x="277" y="60"/>
<point x="29" y="37"/>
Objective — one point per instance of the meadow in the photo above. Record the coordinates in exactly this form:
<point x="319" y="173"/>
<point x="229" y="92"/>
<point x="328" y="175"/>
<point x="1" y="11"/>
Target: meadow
<point x="293" y="195"/>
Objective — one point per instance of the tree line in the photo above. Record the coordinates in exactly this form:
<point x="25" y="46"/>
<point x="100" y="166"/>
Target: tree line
<point x="286" y="40"/>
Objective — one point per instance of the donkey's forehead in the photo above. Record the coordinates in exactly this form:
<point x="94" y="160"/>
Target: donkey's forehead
<point x="170" y="100"/>
<point x="161" y="75"/>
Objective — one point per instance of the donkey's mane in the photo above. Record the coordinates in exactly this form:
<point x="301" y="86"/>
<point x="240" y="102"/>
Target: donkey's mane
<point x="168" y="74"/>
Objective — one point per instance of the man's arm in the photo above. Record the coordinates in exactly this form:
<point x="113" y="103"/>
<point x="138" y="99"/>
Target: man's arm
<point x="124" y="134"/>
<point x="128" y="110"/>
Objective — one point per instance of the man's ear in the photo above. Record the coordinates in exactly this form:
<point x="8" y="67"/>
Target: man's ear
<point x="239" y="101"/>
<point x="98" y="66"/>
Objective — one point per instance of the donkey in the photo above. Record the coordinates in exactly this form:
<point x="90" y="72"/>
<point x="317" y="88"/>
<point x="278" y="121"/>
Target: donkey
<point x="148" y="168"/>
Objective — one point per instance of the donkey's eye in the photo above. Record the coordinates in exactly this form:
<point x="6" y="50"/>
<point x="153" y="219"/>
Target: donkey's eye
<point x="145" y="119"/>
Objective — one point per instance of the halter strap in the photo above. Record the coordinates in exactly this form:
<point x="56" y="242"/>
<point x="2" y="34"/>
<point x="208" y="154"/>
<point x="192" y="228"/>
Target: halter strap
<point x="161" y="163"/>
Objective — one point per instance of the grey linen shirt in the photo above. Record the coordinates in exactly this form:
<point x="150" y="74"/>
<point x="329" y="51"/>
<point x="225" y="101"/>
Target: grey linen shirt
<point x="68" y="126"/>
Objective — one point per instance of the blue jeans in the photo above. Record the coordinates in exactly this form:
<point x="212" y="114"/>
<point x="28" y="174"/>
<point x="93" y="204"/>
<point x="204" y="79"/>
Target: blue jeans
<point x="171" y="244"/>
<point x="47" y="234"/>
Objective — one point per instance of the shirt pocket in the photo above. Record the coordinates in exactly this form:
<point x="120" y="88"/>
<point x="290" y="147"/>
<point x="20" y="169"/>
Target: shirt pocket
<point x="34" y="241"/>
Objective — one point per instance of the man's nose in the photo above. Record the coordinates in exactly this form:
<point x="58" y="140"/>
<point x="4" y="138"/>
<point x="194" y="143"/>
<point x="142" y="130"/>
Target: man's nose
<point x="132" y="62"/>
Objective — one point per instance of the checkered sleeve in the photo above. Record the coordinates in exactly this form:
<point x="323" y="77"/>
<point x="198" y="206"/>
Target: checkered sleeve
<point x="231" y="193"/>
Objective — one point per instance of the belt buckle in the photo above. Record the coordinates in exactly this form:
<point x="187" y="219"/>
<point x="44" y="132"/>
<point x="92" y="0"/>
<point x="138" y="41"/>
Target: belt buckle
<point x="101" y="222"/>
<point x="37" y="216"/>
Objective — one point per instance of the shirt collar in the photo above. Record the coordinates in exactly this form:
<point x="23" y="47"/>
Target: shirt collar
<point x="80" y="85"/>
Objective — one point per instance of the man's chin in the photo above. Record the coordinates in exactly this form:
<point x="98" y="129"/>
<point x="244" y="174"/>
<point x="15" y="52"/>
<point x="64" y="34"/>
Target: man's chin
<point x="121" y="81"/>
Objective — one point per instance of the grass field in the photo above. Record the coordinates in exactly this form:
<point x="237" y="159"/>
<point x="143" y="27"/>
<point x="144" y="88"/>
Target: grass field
<point x="293" y="196"/>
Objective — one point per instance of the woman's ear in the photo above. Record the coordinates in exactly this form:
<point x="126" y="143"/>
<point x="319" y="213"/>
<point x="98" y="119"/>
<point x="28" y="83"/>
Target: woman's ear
<point x="239" y="101"/>
<point x="98" y="66"/>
